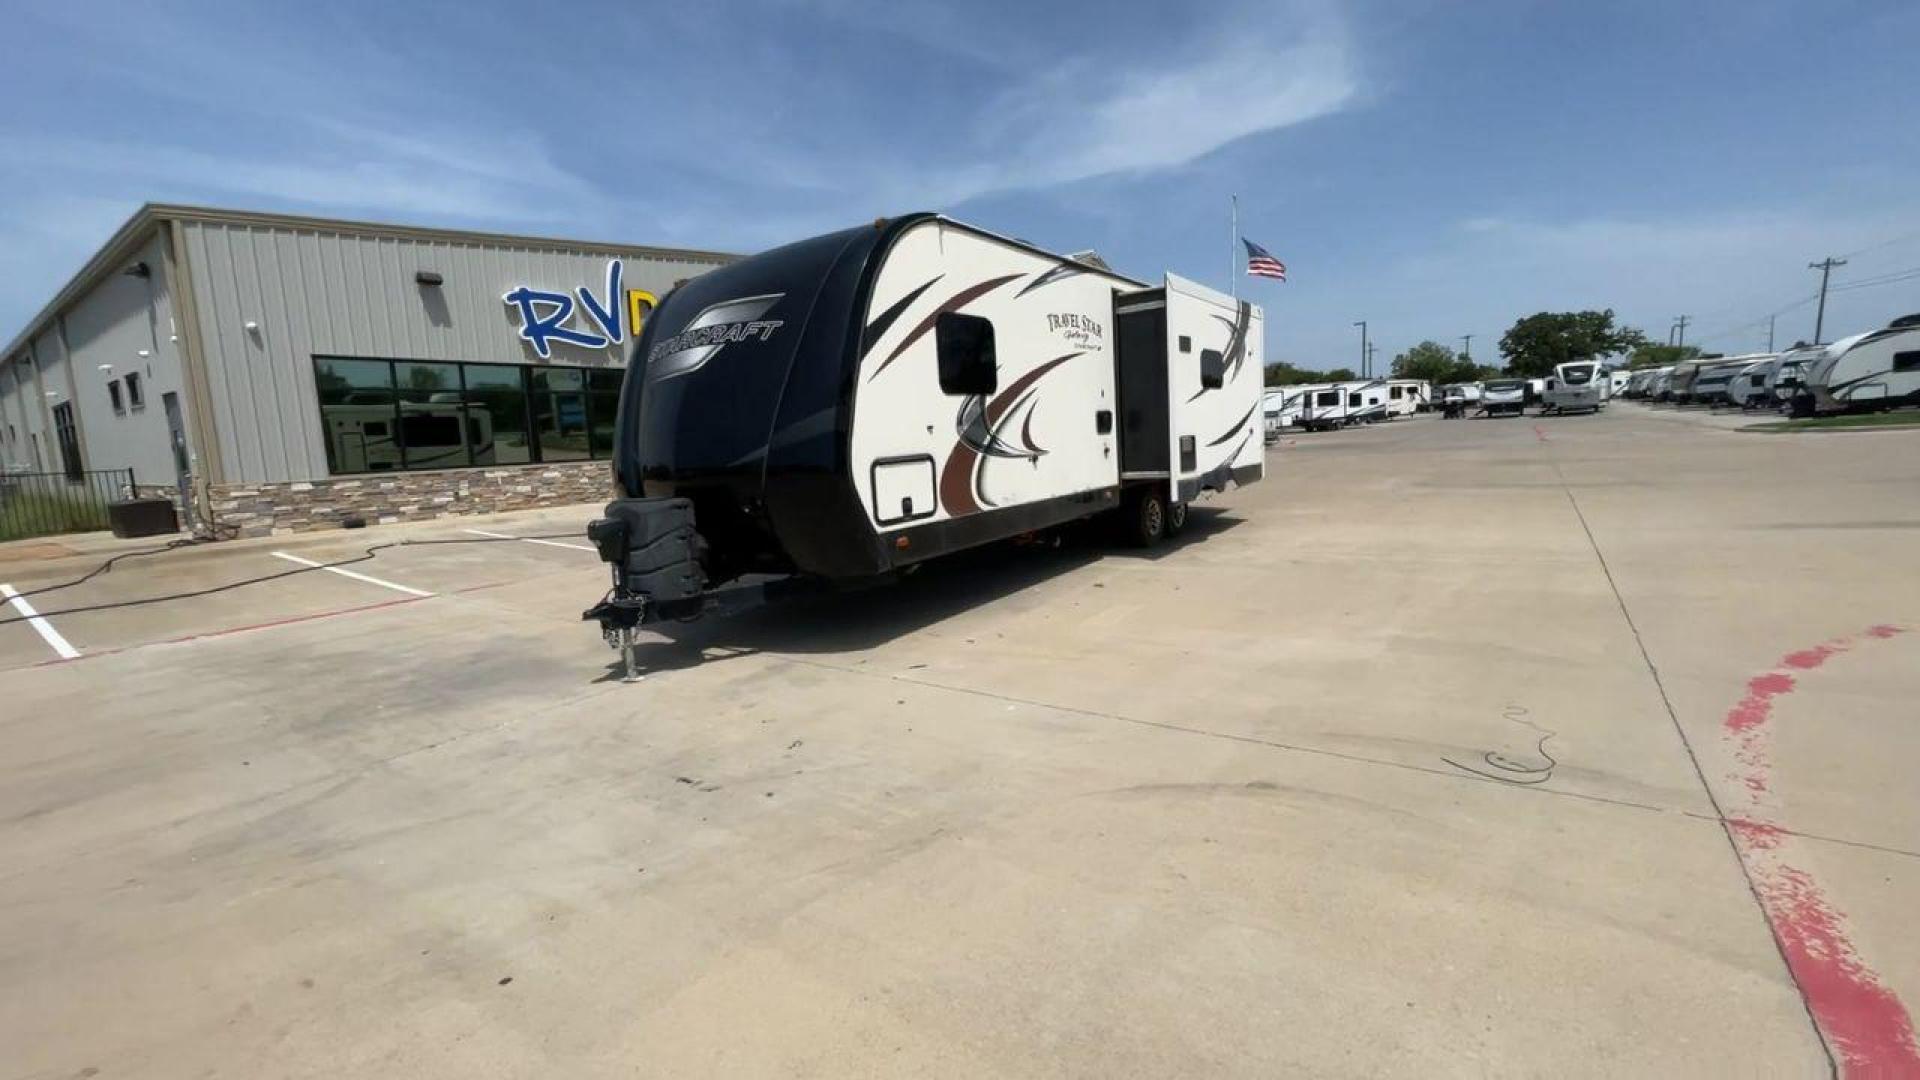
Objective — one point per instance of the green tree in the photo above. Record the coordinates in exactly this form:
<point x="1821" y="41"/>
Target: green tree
<point x="1651" y="355"/>
<point x="1536" y="343"/>
<point x="1428" y="360"/>
<point x="1281" y="373"/>
<point x="1339" y="374"/>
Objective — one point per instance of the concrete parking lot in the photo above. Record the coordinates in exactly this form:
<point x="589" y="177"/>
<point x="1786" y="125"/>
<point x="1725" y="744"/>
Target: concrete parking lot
<point x="1574" y="745"/>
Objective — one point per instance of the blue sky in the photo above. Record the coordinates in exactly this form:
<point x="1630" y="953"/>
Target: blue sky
<point x="1436" y="168"/>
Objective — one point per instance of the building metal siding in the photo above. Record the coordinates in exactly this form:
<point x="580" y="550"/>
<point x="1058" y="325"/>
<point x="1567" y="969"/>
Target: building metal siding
<point x="332" y="291"/>
<point x="112" y="324"/>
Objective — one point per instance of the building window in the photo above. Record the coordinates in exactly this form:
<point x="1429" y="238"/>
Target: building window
<point x="113" y="395"/>
<point x="432" y="415"/>
<point x="560" y="414"/>
<point x="497" y="431"/>
<point x="381" y="415"/>
<point x="357" y="415"/>
<point x="136" y="394"/>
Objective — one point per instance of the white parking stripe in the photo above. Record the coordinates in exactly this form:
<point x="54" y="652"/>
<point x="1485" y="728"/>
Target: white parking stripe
<point x="343" y="572"/>
<point x="34" y="619"/>
<point x="531" y="540"/>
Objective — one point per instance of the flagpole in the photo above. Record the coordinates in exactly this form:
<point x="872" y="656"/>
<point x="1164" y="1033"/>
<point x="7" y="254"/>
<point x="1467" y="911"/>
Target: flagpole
<point x="1233" y="252"/>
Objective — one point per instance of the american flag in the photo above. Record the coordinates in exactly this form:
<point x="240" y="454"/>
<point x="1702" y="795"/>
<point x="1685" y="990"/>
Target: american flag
<point x="1261" y="263"/>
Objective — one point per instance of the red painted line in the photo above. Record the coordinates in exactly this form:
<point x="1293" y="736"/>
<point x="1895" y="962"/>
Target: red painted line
<point x="1539" y="433"/>
<point x="1864" y="1021"/>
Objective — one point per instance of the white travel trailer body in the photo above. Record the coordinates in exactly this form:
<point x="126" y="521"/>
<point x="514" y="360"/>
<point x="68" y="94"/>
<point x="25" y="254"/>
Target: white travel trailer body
<point x="1748" y="387"/>
<point x="1867" y="372"/>
<point x="1789" y="375"/>
<point x="1504" y="397"/>
<point x="1406" y="397"/>
<point x="1322" y="407"/>
<point x="1713" y="384"/>
<point x="845" y="407"/>
<point x="1367" y="401"/>
<point x="1617" y="381"/>
<point x="1575" y="387"/>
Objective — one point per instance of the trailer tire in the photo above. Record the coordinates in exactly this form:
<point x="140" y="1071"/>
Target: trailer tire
<point x="1176" y="519"/>
<point x="1146" y="519"/>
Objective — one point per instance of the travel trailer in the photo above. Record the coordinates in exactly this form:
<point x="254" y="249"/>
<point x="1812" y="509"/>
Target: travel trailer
<point x="1280" y="409"/>
<point x="1324" y="407"/>
<point x="1711" y="386"/>
<point x="1617" y="380"/>
<point x="1788" y="376"/>
<point x="1575" y="387"/>
<point x="1867" y="372"/>
<point x="1504" y="397"/>
<point x="1748" y="387"/>
<point x="847" y="407"/>
<point x="1406" y="397"/>
<point x="1680" y="381"/>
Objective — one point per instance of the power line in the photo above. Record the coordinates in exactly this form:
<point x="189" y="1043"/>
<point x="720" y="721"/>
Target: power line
<point x="1902" y="238"/>
<point x="1888" y="278"/>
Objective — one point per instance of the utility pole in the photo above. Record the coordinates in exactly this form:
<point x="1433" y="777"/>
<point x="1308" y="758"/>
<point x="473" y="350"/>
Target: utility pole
<point x="1466" y="346"/>
<point x="1770" y="333"/>
<point x="1370" y="351"/>
<point x="1681" y="324"/>
<point x="1362" y="324"/>
<point x="1825" y="266"/>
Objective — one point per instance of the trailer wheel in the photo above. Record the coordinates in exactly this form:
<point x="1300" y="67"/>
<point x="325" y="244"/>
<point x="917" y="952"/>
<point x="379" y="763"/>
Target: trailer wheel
<point x="1147" y="519"/>
<point x="1176" y="519"/>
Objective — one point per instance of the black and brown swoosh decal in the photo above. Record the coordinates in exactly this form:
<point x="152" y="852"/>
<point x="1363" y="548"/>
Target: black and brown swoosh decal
<point x="1237" y="425"/>
<point x="1235" y="353"/>
<point x="956" y="475"/>
<point x="954" y="303"/>
<point x="1058" y="273"/>
<point x="879" y="327"/>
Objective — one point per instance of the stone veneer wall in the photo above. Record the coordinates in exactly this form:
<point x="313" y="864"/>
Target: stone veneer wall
<point x="382" y="498"/>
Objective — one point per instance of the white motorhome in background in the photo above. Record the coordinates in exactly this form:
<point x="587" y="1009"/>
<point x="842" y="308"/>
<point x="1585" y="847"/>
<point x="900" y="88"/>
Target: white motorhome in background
<point x="1866" y="372"/>
<point x="1575" y="387"/>
<point x="1504" y="397"/>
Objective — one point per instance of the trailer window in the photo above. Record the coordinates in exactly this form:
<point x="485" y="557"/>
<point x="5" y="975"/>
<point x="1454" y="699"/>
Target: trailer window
<point x="967" y="362"/>
<point x="1327" y="399"/>
<point x="1213" y="369"/>
<point x="1906" y="361"/>
<point x="1353" y="401"/>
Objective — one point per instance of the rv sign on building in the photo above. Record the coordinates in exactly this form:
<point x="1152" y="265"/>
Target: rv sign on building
<point x="546" y="317"/>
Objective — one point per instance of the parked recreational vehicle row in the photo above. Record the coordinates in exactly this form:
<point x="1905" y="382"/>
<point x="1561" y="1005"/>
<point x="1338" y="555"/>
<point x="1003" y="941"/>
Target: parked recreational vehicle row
<point x="1323" y="406"/>
<point x="1869" y="372"/>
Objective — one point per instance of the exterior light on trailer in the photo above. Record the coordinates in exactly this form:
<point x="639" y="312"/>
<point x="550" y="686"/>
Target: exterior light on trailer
<point x="428" y="277"/>
<point x="902" y="543"/>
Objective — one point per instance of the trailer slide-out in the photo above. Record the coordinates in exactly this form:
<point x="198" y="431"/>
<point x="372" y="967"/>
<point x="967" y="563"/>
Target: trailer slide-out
<point x="845" y="407"/>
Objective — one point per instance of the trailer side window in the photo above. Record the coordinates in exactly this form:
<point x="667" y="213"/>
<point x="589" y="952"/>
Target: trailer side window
<point x="1906" y="361"/>
<point x="967" y="362"/>
<point x="1213" y="369"/>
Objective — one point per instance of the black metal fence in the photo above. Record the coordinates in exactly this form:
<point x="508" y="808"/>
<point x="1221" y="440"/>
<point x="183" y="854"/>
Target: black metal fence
<point x="43" y="504"/>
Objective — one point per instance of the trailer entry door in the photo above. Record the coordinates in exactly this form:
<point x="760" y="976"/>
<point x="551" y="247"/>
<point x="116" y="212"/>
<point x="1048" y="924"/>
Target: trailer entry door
<point x="1140" y="380"/>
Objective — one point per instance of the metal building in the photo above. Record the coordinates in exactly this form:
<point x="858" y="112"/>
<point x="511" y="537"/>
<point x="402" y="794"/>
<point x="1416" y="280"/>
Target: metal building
<point x="280" y="373"/>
